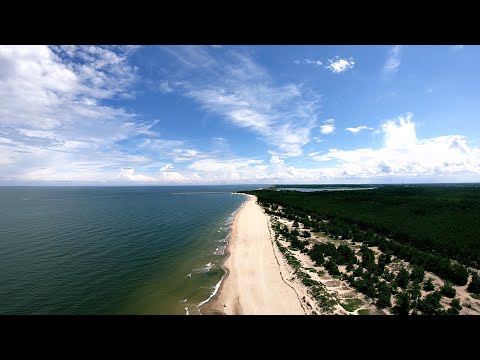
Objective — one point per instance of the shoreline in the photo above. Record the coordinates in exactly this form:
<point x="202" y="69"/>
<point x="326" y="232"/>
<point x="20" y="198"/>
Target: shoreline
<point x="210" y="306"/>
<point x="253" y="281"/>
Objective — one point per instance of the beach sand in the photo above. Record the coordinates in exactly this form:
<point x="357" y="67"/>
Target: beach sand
<point x="253" y="284"/>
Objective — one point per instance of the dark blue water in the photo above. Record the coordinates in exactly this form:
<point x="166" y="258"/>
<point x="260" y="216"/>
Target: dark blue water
<point x="112" y="250"/>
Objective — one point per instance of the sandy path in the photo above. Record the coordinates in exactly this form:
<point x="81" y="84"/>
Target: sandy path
<point x="254" y="284"/>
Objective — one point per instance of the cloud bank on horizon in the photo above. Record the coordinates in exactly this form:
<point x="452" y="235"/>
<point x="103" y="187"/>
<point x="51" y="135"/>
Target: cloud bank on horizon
<point x="238" y="114"/>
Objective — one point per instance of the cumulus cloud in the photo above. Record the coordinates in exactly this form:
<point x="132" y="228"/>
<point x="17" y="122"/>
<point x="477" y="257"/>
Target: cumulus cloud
<point x="356" y="130"/>
<point x="339" y="65"/>
<point x="403" y="154"/>
<point x="130" y="175"/>
<point x="55" y="121"/>
<point x="328" y="127"/>
<point x="393" y="60"/>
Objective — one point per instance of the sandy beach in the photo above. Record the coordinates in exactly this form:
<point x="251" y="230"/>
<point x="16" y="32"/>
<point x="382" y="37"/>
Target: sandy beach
<point x="253" y="284"/>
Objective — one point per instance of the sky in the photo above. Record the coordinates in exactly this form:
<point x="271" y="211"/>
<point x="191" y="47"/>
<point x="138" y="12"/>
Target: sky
<point x="219" y="114"/>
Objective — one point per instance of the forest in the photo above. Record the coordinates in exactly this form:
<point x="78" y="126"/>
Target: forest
<point x="341" y="216"/>
<point x="427" y="221"/>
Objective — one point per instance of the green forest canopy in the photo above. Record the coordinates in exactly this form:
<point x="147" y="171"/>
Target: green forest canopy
<point x="439" y="219"/>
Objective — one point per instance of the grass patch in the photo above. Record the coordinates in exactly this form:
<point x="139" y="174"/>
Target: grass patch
<point x="363" y="312"/>
<point x="352" y="304"/>
<point x="324" y="300"/>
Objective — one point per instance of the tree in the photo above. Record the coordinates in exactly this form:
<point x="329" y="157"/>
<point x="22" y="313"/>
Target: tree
<point x="418" y="273"/>
<point x="431" y="304"/>
<point x="415" y="292"/>
<point x="455" y="303"/>
<point x="306" y="234"/>
<point x="402" y="278"/>
<point x="383" y="295"/>
<point x="358" y="271"/>
<point x="474" y="286"/>
<point x="459" y="274"/>
<point x="332" y="267"/>
<point x="349" y="266"/>
<point x="428" y="286"/>
<point x="403" y="304"/>
<point x="452" y="311"/>
<point x="447" y="290"/>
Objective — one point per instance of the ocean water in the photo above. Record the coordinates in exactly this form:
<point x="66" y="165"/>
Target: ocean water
<point x="112" y="250"/>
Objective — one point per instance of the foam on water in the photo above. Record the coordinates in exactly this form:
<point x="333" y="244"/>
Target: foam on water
<point x="215" y="289"/>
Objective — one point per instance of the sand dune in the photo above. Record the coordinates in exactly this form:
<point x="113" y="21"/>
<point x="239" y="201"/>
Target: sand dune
<point x="254" y="284"/>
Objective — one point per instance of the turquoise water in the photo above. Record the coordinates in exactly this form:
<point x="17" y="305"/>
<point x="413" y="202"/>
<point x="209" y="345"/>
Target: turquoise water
<point x="112" y="250"/>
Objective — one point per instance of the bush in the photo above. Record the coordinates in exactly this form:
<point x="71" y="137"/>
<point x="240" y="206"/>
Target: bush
<point x="403" y="304"/>
<point x="428" y="286"/>
<point x="452" y="311"/>
<point x="448" y="290"/>
<point x="306" y="234"/>
<point x="383" y="295"/>
<point x="474" y="286"/>
<point x="402" y="278"/>
<point x="431" y="304"/>
<point x="332" y="267"/>
<point x="455" y="303"/>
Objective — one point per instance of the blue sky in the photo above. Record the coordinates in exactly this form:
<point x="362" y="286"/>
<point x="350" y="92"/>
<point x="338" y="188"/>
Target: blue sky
<point x="239" y="114"/>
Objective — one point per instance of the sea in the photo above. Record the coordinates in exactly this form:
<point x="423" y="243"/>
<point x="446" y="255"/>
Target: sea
<point x="113" y="250"/>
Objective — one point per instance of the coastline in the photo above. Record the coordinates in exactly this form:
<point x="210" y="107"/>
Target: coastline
<point x="253" y="282"/>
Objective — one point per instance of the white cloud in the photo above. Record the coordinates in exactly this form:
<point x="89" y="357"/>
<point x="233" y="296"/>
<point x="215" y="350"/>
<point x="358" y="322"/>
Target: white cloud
<point x="165" y="87"/>
<point x="186" y="154"/>
<point x="129" y="174"/>
<point x="356" y="130"/>
<point x="393" y="60"/>
<point x="233" y="86"/>
<point x="55" y="123"/>
<point x="166" y="167"/>
<point x="457" y="47"/>
<point x="328" y="127"/>
<point x="403" y="154"/>
<point x="313" y="62"/>
<point x="339" y="65"/>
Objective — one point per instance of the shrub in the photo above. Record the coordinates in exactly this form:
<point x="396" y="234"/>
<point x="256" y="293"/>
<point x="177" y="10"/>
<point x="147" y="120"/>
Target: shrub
<point x="448" y="290"/>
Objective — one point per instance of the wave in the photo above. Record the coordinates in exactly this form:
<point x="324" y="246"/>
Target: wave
<point x="220" y="250"/>
<point x="215" y="289"/>
<point x="204" y="269"/>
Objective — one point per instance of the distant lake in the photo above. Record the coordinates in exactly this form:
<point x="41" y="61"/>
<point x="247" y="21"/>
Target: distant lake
<point x="326" y="189"/>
